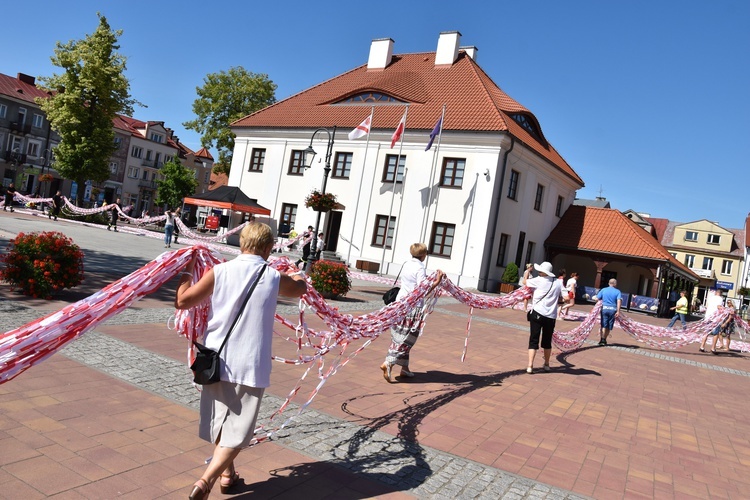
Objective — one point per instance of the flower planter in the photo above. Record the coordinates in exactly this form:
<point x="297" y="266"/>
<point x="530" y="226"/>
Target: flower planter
<point x="506" y="287"/>
<point x="329" y="295"/>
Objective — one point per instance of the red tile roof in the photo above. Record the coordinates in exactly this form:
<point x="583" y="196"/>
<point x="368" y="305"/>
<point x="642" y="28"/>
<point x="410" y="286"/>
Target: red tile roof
<point x="473" y="103"/>
<point x="12" y="87"/>
<point x="218" y="180"/>
<point x="738" y="235"/>
<point x="134" y="126"/>
<point x="660" y="226"/>
<point x="204" y="153"/>
<point x="607" y="231"/>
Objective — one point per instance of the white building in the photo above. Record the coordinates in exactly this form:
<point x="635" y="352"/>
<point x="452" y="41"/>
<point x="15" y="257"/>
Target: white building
<point x="498" y="186"/>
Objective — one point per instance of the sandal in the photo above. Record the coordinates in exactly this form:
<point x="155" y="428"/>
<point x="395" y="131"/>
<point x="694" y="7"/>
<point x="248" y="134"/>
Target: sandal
<point x="407" y="373"/>
<point x="201" y="489"/>
<point x="701" y="349"/>
<point x="227" y="482"/>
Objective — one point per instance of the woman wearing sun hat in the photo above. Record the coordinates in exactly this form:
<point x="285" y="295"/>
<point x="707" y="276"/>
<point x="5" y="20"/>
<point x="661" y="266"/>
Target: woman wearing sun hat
<point x="547" y="291"/>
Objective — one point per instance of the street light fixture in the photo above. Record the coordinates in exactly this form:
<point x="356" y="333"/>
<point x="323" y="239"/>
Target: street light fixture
<point x="310" y="153"/>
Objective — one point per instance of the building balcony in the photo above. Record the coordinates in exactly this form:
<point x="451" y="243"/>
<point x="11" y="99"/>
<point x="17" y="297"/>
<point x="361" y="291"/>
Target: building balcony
<point x="148" y="163"/>
<point x="12" y="156"/>
<point x="147" y="184"/>
<point x="20" y="128"/>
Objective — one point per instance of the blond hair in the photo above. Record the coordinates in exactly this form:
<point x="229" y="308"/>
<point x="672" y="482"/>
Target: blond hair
<point x="418" y="250"/>
<point x="256" y="237"/>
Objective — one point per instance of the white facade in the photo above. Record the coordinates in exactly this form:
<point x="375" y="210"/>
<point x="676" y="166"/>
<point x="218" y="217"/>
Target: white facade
<point x="471" y="209"/>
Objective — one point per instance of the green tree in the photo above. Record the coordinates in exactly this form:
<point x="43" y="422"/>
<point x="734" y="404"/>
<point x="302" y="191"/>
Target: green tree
<point x="178" y="183"/>
<point x="83" y="100"/>
<point x="224" y="98"/>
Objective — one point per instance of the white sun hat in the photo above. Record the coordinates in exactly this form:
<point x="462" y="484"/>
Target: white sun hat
<point x="544" y="267"/>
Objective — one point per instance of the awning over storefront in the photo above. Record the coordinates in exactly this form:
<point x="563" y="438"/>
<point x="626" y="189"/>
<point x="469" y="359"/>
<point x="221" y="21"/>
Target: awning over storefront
<point x="228" y="197"/>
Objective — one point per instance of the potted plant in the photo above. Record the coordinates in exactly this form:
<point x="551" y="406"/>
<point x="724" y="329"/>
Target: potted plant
<point x="41" y="264"/>
<point x="320" y="202"/>
<point x="45" y="178"/>
<point x="330" y="279"/>
<point x="509" y="281"/>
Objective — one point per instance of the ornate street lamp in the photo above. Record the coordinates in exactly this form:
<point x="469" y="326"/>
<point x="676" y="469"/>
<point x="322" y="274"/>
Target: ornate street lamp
<point x="310" y="153"/>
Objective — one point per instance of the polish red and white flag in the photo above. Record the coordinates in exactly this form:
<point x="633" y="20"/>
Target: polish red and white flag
<point x="399" y="130"/>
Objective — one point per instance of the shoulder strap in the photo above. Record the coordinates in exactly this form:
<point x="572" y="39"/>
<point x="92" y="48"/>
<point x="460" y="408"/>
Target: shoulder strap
<point x="399" y="273"/>
<point x="548" y="289"/>
<point x="242" y="307"/>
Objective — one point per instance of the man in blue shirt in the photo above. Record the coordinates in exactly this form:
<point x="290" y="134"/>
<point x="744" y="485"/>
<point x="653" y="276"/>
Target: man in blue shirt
<point x="611" y="299"/>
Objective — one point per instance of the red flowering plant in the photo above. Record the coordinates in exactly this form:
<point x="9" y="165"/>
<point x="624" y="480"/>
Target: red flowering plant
<point x="330" y="277"/>
<point x="46" y="178"/>
<point x="320" y="202"/>
<point x="41" y="264"/>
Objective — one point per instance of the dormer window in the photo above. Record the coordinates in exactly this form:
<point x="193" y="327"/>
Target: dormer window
<point x="528" y="124"/>
<point x="157" y="137"/>
<point x="369" y="98"/>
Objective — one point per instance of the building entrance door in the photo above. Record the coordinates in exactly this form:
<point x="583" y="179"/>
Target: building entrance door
<point x="333" y="227"/>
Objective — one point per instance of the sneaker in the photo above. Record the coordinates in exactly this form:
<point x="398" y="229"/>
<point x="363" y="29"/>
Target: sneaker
<point x="602" y="342"/>
<point x="529" y="369"/>
<point x="546" y="368"/>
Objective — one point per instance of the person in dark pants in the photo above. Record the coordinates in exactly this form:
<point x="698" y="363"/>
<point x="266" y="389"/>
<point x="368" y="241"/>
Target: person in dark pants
<point x="9" y="193"/>
<point x="307" y="237"/>
<point x="547" y="291"/>
<point x="57" y="203"/>
<point x="115" y="215"/>
<point x="283" y="233"/>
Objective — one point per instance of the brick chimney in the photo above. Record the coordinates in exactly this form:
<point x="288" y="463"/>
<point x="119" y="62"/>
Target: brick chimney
<point x="381" y="53"/>
<point x="26" y="78"/>
<point x="447" y="48"/>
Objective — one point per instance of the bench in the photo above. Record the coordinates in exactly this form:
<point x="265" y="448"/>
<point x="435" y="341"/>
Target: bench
<point x="366" y="265"/>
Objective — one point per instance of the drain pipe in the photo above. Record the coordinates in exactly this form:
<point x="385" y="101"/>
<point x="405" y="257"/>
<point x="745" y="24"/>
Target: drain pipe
<point x="486" y="262"/>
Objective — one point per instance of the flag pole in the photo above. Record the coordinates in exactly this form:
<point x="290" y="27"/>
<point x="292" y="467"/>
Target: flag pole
<point x="359" y="191"/>
<point x="393" y="196"/>
<point x="426" y="217"/>
<point x="437" y="195"/>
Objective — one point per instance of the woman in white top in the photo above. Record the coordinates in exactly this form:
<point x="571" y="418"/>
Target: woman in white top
<point x="168" y="228"/>
<point x="547" y="291"/>
<point x="569" y="296"/>
<point x="229" y="408"/>
<point x="405" y="334"/>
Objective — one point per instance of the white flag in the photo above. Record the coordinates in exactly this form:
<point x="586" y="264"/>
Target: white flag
<point x="362" y="129"/>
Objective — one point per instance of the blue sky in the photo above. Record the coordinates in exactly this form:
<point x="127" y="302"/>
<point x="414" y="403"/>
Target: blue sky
<point x="646" y="99"/>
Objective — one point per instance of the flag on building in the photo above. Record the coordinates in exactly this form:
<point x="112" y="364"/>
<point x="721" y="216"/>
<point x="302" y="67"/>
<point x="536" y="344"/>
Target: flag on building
<point x="435" y="132"/>
<point x="399" y="130"/>
<point x="362" y="129"/>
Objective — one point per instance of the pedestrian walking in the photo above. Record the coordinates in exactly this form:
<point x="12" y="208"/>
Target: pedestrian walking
<point x="57" y="203"/>
<point x="543" y="314"/>
<point x="10" y="192"/>
<point x="168" y="228"/>
<point x="114" y="215"/>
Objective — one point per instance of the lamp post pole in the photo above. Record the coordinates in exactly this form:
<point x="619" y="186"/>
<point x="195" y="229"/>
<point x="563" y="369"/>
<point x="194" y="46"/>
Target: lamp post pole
<point x="326" y="170"/>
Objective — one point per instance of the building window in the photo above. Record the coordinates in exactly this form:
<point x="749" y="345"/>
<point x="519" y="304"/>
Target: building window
<point x="296" y="163"/>
<point x="713" y="239"/>
<point x="502" y="250"/>
<point x="529" y="252"/>
<point x="3" y="110"/>
<point x="38" y="121"/>
<point x="133" y="172"/>
<point x="519" y="248"/>
<point x="691" y="236"/>
<point x="383" y="235"/>
<point x="708" y="263"/>
<point x="558" y="207"/>
<point x="289" y="212"/>
<point x="538" y="198"/>
<point x="145" y="174"/>
<point x="690" y="260"/>
<point x="726" y="267"/>
<point x="257" y="159"/>
<point x="441" y="242"/>
<point x="390" y="168"/>
<point x="136" y="152"/>
<point x="453" y="172"/>
<point x="113" y="167"/>
<point x="673" y="254"/>
<point x="342" y="165"/>
<point x="157" y="137"/>
<point x="513" y="185"/>
<point x="118" y="143"/>
<point x="32" y="149"/>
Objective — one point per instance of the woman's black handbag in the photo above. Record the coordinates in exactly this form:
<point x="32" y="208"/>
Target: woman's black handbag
<point x="206" y="365"/>
<point x="390" y="295"/>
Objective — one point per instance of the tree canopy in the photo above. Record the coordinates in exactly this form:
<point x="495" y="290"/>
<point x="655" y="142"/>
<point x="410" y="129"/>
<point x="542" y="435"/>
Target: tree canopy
<point x="224" y="98"/>
<point x="83" y="100"/>
<point x="178" y="183"/>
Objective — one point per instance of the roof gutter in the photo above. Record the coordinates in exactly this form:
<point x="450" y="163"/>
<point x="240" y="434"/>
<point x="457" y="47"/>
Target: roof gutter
<point x="485" y="270"/>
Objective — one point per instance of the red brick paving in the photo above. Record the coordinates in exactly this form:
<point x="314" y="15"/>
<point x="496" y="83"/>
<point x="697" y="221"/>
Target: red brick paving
<point x="605" y="422"/>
